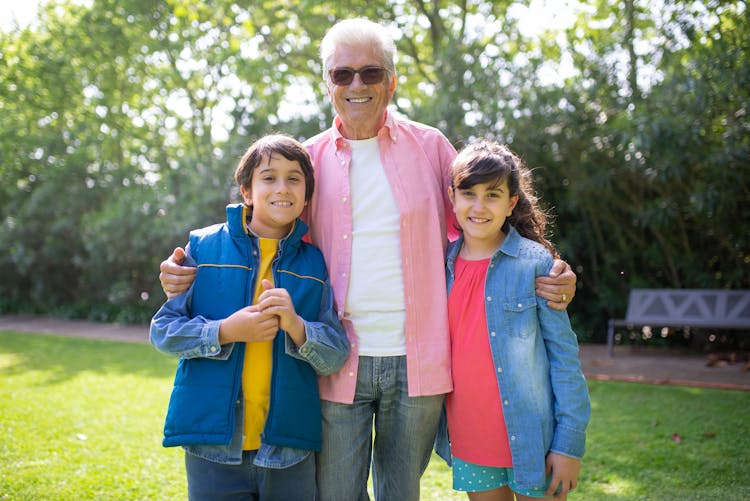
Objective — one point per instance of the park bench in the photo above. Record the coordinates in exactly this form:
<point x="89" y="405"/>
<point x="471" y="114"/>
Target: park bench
<point x="700" y="308"/>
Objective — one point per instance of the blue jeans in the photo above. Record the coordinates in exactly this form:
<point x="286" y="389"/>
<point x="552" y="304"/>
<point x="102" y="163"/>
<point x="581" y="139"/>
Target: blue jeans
<point x="209" y="481"/>
<point x="404" y="435"/>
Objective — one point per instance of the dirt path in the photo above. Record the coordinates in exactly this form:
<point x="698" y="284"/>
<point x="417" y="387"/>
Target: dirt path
<point x="654" y="366"/>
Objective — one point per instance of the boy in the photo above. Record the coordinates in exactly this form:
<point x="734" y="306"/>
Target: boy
<point x="253" y="332"/>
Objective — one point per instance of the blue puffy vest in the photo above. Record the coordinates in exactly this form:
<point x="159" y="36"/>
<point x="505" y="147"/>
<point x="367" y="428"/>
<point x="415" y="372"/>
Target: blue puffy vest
<point x="206" y="391"/>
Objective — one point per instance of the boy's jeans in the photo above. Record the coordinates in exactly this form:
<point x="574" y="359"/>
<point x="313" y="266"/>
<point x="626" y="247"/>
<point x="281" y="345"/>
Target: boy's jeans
<point x="404" y="436"/>
<point x="209" y="481"/>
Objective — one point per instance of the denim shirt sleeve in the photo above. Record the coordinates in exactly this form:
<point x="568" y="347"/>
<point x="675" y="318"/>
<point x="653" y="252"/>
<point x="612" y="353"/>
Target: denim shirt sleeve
<point x="273" y="456"/>
<point x="326" y="347"/>
<point x="572" y="406"/>
<point x="175" y="332"/>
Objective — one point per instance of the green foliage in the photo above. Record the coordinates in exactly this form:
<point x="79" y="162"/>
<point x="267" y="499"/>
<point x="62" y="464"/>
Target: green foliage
<point x="97" y="411"/>
<point x="121" y="123"/>
<point x="647" y="183"/>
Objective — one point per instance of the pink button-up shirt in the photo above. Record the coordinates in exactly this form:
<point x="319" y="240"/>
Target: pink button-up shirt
<point x="416" y="159"/>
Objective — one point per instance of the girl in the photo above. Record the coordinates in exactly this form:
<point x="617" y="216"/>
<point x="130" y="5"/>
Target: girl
<point x="518" y="413"/>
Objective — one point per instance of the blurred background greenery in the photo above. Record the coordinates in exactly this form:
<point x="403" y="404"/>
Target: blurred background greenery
<point x="121" y="122"/>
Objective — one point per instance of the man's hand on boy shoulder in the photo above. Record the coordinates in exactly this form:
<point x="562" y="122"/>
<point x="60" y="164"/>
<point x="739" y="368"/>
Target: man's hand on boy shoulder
<point x="559" y="287"/>
<point x="175" y="278"/>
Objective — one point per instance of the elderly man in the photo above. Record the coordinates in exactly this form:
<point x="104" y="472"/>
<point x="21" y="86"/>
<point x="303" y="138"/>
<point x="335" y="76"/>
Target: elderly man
<point x="380" y="214"/>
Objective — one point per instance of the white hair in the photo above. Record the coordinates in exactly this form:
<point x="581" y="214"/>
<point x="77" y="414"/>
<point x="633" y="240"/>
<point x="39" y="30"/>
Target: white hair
<point x="356" y="32"/>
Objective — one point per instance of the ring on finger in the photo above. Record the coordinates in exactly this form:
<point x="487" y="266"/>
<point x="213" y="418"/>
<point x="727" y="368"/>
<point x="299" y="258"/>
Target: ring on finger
<point x="564" y="298"/>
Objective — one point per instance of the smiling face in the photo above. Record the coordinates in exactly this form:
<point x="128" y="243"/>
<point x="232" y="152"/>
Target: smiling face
<point x="481" y="210"/>
<point x="276" y="195"/>
<point x="361" y="107"/>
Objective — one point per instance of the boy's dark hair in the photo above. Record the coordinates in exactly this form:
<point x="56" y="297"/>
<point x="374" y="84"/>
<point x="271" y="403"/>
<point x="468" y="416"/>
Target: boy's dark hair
<point x="284" y="145"/>
<point x="489" y="162"/>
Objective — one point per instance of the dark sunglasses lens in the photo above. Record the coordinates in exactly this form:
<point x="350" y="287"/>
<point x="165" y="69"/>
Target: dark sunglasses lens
<point x="342" y="76"/>
<point x="372" y="75"/>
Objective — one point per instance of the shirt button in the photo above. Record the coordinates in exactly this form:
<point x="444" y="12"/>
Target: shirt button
<point x="499" y="369"/>
<point x="346" y="236"/>
<point x="351" y="374"/>
<point x="489" y="298"/>
<point x="505" y="402"/>
<point x="513" y="437"/>
<point x="492" y="334"/>
<point x="343" y="199"/>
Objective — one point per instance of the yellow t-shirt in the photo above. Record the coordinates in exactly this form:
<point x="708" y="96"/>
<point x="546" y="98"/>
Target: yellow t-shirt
<point x="256" y="371"/>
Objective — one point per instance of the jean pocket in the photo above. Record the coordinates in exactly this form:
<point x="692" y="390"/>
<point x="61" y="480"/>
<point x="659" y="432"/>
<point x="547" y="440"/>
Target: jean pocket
<point x="520" y="316"/>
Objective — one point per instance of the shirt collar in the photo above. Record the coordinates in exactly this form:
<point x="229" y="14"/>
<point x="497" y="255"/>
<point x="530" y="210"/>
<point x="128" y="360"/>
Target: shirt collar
<point x="389" y="129"/>
<point x="510" y="246"/>
<point x="511" y="243"/>
<point x="238" y="218"/>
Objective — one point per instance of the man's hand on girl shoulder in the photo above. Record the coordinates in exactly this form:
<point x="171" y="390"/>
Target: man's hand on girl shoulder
<point x="559" y="287"/>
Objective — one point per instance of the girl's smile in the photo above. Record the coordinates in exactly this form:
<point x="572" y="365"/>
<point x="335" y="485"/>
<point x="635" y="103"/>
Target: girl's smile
<point x="481" y="211"/>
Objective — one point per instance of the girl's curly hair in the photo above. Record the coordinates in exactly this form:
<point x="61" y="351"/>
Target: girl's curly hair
<point x="486" y="161"/>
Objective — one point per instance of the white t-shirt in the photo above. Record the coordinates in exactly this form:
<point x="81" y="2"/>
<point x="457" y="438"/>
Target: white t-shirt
<point x="375" y="296"/>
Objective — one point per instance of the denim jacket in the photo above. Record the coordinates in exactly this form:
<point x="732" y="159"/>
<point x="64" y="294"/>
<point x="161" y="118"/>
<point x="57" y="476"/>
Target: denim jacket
<point x="535" y="351"/>
<point x="207" y="419"/>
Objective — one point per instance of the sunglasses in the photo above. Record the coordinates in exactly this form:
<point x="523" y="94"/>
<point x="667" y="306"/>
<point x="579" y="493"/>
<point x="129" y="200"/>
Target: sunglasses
<point x="368" y="74"/>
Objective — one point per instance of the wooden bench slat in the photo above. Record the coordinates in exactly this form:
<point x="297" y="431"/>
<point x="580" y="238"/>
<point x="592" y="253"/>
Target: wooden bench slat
<point x="713" y="308"/>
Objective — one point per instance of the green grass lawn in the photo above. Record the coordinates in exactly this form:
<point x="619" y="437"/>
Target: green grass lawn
<point x="82" y="419"/>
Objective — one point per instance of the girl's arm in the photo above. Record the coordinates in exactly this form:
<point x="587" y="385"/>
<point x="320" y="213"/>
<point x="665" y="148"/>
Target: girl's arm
<point x="572" y="407"/>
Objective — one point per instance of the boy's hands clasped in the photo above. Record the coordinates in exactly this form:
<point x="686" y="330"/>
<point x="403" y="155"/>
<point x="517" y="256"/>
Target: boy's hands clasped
<point x="276" y="301"/>
<point x="249" y="325"/>
<point x="260" y="322"/>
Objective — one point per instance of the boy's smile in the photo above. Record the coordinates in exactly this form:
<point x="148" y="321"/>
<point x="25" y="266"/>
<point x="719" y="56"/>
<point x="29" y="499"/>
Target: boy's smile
<point x="276" y="195"/>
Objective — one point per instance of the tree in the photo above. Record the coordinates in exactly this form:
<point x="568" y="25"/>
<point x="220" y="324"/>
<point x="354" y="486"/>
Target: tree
<point x="647" y="178"/>
<point x="117" y="142"/>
